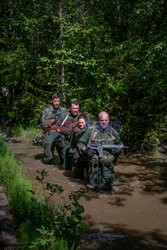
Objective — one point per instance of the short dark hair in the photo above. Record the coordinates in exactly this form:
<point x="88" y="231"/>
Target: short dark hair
<point x="83" y="116"/>
<point x="74" y="102"/>
<point x="55" y="96"/>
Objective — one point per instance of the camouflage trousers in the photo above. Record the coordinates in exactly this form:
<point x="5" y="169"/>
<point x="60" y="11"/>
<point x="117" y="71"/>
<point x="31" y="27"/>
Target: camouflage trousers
<point x="63" y="146"/>
<point x="49" y="145"/>
<point x="101" y="172"/>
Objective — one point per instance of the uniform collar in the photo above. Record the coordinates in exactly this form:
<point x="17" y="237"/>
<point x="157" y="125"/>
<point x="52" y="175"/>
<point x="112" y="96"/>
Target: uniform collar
<point x="54" y="108"/>
<point x="99" y="128"/>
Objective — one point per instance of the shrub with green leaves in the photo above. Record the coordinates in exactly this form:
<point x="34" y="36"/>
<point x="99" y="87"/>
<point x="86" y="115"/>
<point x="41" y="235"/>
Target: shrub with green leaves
<point x="41" y="224"/>
<point x="65" y="219"/>
<point x="18" y="130"/>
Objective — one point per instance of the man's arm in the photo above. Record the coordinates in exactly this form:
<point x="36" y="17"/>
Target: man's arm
<point x="44" y="116"/>
<point x="49" y="117"/>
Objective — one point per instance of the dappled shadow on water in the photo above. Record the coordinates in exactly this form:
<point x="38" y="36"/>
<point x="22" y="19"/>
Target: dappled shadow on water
<point x="118" y="238"/>
<point x="164" y="200"/>
<point x="152" y="174"/>
<point x="91" y="195"/>
<point x="117" y="201"/>
<point x="148" y="183"/>
<point x="147" y="160"/>
<point x="39" y="156"/>
<point x="152" y="160"/>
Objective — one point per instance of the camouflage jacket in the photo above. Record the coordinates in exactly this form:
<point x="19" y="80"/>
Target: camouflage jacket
<point x="50" y="113"/>
<point x="97" y="134"/>
<point x="67" y="122"/>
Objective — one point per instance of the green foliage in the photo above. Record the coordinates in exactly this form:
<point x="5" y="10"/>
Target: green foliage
<point x="114" y="57"/>
<point x="48" y="241"/>
<point x="15" y="183"/>
<point x="152" y="137"/>
<point x="25" y="233"/>
<point x="41" y="224"/>
<point x="34" y="135"/>
<point x="65" y="219"/>
<point x="18" y="130"/>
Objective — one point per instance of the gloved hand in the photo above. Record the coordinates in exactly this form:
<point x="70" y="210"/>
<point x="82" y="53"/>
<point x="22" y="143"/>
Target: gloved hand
<point x="90" y="151"/>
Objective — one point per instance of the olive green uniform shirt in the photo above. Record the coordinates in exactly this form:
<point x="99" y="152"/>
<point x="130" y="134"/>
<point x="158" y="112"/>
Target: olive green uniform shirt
<point x="50" y="112"/>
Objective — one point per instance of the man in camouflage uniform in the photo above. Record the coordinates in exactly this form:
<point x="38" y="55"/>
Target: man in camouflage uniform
<point x="67" y="122"/>
<point x="101" y="170"/>
<point x="49" y="118"/>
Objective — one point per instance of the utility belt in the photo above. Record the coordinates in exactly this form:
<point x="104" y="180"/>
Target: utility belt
<point x="106" y="159"/>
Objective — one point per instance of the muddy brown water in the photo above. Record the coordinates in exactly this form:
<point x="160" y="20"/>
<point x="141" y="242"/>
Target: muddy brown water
<point x="133" y="214"/>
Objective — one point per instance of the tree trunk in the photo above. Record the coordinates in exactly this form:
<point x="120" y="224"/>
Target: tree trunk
<point x="62" y="55"/>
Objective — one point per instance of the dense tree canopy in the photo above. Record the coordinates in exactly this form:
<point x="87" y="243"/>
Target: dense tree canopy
<point x="109" y="55"/>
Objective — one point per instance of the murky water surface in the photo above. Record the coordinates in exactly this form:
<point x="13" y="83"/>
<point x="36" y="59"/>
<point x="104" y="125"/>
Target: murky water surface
<point x="132" y="216"/>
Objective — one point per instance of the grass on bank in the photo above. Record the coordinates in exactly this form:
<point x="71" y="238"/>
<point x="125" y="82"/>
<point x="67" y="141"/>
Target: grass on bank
<point x="15" y="183"/>
<point x="38" y="226"/>
<point x="31" y="134"/>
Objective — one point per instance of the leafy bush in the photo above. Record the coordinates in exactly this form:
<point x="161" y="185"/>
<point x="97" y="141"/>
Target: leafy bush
<point x="65" y="220"/>
<point x="18" y="130"/>
<point x="41" y="224"/>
